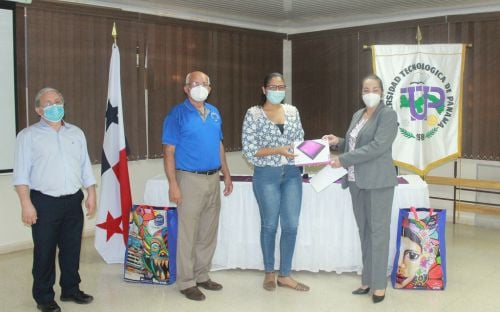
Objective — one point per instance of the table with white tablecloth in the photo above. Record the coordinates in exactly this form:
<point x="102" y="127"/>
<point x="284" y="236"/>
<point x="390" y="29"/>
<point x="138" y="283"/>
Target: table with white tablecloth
<point x="327" y="238"/>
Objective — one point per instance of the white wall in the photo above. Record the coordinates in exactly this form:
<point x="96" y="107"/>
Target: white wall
<point x="7" y="90"/>
<point x="15" y="236"/>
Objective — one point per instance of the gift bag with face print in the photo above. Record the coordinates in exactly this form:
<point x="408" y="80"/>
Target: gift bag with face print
<point x="420" y="261"/>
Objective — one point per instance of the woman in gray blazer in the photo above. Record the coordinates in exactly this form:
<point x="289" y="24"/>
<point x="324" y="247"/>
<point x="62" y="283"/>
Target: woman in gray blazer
<point x="366" y="153"/>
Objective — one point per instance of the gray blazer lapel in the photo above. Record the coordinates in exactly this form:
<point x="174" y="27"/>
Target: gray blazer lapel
<point x="370" y="125"/>
<point x="354" y="121"/>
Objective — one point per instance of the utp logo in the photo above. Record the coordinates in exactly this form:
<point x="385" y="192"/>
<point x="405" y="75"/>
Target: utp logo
<point x="419" y="99"/>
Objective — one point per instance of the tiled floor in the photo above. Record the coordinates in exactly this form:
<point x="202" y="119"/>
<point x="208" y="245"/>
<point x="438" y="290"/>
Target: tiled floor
<point x="473" y="285"/>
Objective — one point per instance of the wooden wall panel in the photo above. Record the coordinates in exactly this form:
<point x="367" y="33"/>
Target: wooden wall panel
<point x="235" y="60"/>
<point x="323" y="73"/>
<point x="69" y="48"/>
<point x="481" y="109"/>
<point x="316" y="68"/>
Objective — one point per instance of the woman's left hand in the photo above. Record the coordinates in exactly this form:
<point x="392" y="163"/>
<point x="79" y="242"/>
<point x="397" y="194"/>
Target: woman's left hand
<point x="335" y="162"/>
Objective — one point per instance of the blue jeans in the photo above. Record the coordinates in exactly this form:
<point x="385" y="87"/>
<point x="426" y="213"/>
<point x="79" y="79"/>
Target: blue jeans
<point x="278" y="191"/>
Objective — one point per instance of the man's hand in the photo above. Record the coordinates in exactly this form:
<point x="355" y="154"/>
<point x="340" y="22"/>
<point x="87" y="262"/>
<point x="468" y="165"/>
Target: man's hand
<point x="228" y="185"/>
<point x="174" y="194"/>
<point x="28" y="211"/>
<point x="90" y="204"/>
<point x="28" y="214"/>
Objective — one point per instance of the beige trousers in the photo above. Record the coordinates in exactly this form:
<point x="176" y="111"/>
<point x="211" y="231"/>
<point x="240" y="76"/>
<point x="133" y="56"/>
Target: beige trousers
<point x="198" y="223"/>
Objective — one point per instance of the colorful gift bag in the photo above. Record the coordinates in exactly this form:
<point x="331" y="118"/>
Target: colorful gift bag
<point x="152" y="240"/>
<point x="420" y="261"/>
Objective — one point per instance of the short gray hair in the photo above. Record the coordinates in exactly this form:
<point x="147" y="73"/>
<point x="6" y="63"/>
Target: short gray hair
<point x="188" y="78"/>
<point x="43" y="91"/>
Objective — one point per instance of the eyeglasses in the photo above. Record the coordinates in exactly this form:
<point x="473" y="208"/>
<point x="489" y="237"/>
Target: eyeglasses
<point x="50" y="104"/>
<point x="274" y="87"/>
<point x="194" y="84"/>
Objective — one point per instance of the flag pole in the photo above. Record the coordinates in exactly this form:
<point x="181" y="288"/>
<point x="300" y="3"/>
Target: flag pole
<point x="113" y="33"/>
<point x="146" y="101"/>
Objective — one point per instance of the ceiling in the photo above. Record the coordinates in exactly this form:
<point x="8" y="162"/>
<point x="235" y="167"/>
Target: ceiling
<point x="296" y="16"/>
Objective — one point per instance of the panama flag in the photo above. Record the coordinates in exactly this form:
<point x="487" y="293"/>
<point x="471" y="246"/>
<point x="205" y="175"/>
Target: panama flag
<point x="115" y="199"/>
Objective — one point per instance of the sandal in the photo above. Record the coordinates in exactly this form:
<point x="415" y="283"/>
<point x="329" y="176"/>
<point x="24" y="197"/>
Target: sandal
<point x="298" y="286"/>
<point x="269" y="284"/>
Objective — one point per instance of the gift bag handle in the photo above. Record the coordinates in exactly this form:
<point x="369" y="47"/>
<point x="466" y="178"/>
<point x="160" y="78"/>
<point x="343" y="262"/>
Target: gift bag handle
<point x="414" y="211"/>
<point x="415" y="215"/>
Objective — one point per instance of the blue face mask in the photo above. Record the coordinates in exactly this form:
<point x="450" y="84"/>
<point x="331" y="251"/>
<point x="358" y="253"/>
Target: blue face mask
<point x="275" y="97"/>
<point x="53" y="113"/>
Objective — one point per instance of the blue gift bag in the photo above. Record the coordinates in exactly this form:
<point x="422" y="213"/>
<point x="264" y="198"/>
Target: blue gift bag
<point x="420" y="261"/>
<point x="152" y="244"/>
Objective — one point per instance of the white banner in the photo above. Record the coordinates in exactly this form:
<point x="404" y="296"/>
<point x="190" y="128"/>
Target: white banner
<point x="423" y="84"/>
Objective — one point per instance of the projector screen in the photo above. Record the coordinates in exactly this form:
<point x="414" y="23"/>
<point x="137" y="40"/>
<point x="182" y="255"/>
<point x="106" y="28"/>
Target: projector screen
<point x="7" y="88"/>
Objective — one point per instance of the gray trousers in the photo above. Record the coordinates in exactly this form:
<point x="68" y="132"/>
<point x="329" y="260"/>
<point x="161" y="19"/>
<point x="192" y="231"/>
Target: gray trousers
<point x="372" y="210"/>
<point x="197" y="226"/>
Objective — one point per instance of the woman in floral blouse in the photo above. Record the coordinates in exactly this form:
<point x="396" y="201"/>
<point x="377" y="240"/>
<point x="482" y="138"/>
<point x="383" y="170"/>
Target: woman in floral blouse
<point x="269" y="130"/>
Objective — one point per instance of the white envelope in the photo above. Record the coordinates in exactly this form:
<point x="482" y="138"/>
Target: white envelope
<point x="326" y="176"/>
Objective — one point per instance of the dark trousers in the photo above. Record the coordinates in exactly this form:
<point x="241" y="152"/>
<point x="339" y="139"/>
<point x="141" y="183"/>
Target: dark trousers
<point x="59" y="225"/>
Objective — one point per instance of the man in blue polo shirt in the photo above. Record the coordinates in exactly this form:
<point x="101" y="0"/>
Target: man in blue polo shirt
<point x="193" y="155"/>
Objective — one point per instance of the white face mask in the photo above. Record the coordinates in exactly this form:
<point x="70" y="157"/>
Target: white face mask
<point x="371" y="99"/>
<point x="199" y="93"/>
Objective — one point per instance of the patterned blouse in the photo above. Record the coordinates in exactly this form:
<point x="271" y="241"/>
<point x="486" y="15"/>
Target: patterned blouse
<point x="259" y="131"/>
<point x="352" y="145"/>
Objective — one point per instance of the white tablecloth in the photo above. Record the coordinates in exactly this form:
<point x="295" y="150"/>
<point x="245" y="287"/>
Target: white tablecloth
<point x="327" y="237"/>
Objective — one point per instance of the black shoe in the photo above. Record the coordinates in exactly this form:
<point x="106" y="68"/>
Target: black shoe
<point x="361" y="291"/>
<point x="377" y="299"/>
<point x="79" y="297"/>
<point x="49" y="307"/>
